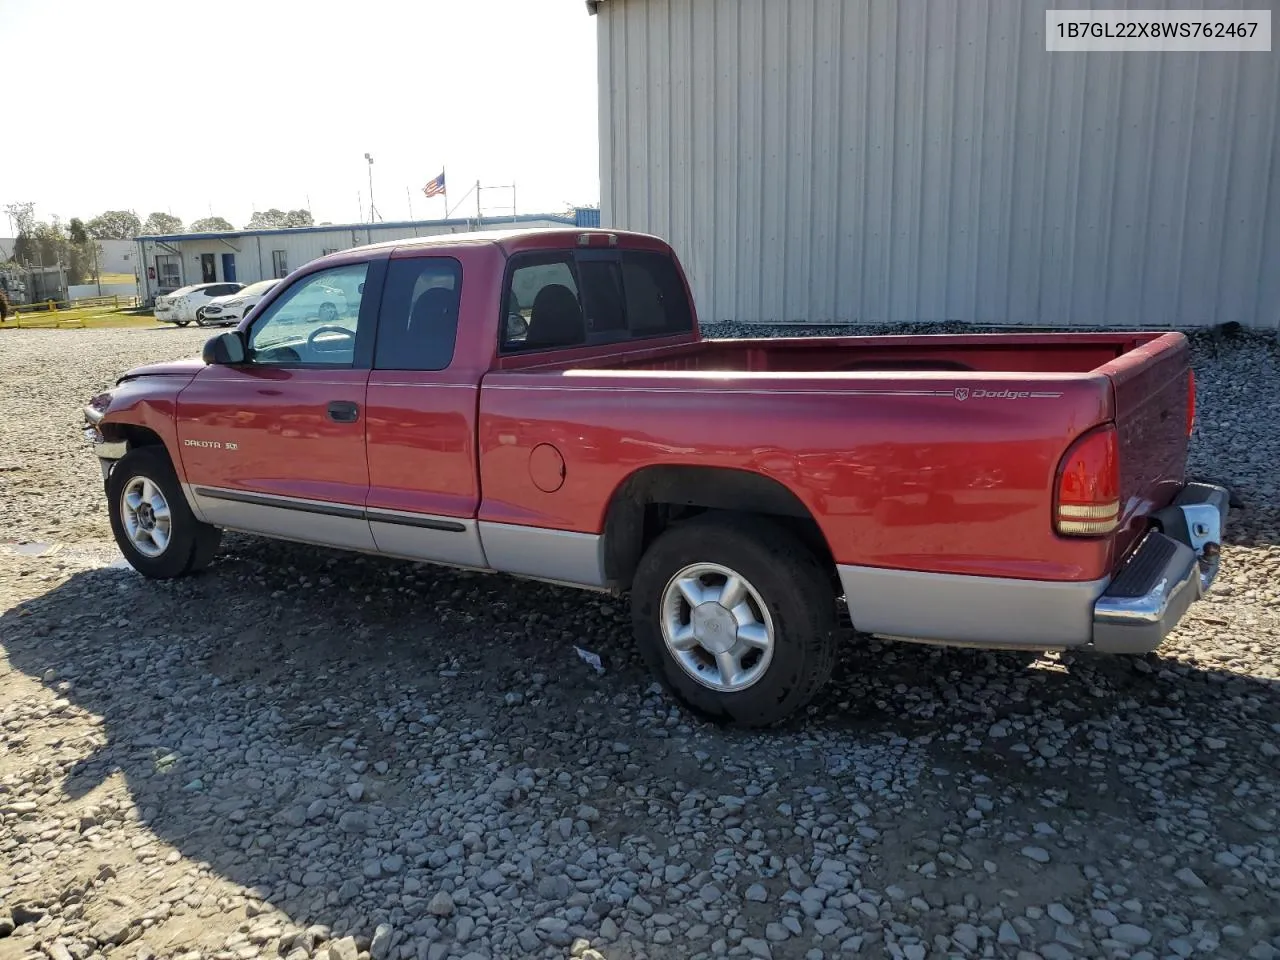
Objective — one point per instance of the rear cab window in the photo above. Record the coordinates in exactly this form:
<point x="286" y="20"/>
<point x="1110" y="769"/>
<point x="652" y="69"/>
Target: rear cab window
<point x="575" y="298"/>
<point x="418" y="321"/>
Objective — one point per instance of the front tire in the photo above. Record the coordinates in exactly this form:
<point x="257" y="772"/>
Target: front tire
<point x="151" y="521"/>
<point x="736" y="616"/>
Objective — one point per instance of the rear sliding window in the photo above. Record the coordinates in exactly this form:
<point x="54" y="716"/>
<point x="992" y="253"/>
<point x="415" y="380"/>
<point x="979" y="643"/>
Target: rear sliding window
<point x="570" y="299"/>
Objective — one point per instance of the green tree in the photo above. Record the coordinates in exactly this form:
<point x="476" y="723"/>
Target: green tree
<point x="115" y="225"/>
<point x="266" y="219"/>
<point x="276" y="219"/>
<point x="211" y="225"/>
<point x="41" y="244"/>
<point x="51" y="244"/>
<point x="160" y="224"/>
<point x="82" y="253"/>
<point x="22" y="216"/>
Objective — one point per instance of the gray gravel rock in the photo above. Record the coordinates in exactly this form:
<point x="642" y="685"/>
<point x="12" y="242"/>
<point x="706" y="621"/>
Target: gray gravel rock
<point x="380" y="945"/>
<point x="418" y="760"/>
<point x="441" y="904"/>
<point x="1131" y="934"/>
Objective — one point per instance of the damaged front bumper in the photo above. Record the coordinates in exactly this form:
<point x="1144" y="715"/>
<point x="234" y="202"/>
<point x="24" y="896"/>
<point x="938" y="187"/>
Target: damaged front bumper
<point x="1174" y="565"/>
<point x="107" y="451"/>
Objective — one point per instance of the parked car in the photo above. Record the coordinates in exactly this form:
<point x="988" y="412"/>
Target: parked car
<point x="232" y="308"/>
<point x="324" y="302"/>
<point x="1021" y="491"/>
<point x="183" y="305"/>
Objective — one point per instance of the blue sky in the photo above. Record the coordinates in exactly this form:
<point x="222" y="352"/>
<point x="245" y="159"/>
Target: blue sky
<point x="239" y="105"/>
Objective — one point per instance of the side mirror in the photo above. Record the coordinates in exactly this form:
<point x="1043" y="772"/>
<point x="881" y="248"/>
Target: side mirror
<point x="225" y="348"/>
<point x="517" y="326"/>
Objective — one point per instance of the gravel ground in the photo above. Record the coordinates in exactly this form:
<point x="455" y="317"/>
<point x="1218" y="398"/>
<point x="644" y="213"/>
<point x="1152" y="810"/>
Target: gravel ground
<point x="302" y="753"/>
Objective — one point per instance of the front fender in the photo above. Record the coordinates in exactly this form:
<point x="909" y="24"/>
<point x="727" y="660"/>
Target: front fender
<point x="146" y="404"/>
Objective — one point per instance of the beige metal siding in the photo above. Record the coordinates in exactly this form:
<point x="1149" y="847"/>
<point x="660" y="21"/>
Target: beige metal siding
<point x="894" y="160"/>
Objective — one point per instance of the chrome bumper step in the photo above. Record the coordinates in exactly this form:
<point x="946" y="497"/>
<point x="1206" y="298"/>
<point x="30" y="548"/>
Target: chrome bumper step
<point x="1169" y="570"/>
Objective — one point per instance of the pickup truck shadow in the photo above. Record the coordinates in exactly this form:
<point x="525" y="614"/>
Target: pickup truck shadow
<point x="240" y="706"/>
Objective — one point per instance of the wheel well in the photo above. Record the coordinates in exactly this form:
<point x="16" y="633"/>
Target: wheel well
<point x="652" y="499"/>
<point x="136" y="436"/>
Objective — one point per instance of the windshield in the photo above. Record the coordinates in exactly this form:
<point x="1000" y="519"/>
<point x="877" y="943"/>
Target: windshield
<point x="258" y="289"/>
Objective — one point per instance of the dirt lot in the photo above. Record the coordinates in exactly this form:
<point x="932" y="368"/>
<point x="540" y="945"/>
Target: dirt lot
<point x="299" y="748"/>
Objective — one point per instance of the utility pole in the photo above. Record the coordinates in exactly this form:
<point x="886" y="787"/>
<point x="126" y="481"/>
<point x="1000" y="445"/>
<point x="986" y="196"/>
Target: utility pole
<point x="372" y="209"/>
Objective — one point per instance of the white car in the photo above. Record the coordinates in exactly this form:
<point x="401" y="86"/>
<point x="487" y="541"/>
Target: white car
<point x="314" y="301"/>
<point x="233" y="307"/>
<point x="182" y="306"/>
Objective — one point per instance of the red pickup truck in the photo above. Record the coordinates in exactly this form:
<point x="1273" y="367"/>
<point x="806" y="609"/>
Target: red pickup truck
<point x="540" y="403"/>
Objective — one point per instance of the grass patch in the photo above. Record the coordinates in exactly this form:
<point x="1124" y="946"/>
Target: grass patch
<point x="79" y="318"/>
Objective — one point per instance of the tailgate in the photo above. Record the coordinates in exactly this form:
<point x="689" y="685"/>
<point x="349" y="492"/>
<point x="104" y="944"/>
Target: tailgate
<point x="1153" y="390"/>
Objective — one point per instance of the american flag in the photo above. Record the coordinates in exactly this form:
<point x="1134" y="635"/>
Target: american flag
<point x="435" y="187"/>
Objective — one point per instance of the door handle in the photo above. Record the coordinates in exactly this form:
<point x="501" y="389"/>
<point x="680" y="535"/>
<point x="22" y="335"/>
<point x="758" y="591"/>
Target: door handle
<point x="343" y="411"/>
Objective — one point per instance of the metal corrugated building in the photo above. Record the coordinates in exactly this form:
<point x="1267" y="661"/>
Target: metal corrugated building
<point x="898" y="160"/>
<point x="247" y="256"/>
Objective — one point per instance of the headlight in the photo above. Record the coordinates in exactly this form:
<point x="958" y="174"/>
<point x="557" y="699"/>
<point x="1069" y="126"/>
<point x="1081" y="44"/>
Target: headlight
<point x="101" y="402"/>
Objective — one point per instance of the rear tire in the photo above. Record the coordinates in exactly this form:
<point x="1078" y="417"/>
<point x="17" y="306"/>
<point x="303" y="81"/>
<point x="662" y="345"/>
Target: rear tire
<point x="182" y="323"/>
<point x="778" y="622"/>
<point x="151" y="521"/>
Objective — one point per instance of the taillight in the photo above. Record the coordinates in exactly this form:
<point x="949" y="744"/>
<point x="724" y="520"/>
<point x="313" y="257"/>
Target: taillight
<point x="1191" y="401"/>
<point x="1088" y="503"/>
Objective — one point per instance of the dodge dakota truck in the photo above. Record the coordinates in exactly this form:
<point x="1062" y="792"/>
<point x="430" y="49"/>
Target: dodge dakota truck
<point x="540" y="403"/>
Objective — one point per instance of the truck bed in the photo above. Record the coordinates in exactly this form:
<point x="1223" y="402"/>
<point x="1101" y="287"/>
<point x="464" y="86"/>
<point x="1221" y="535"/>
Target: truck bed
<point x="929" y="453"/>
<point x="985" y="353"/>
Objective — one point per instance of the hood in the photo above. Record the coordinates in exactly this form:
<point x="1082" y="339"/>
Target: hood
<point x="187" y="367"/>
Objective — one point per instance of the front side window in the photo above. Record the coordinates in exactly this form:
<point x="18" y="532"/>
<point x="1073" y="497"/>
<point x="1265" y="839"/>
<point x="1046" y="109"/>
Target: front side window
<point x="567" y="299"/>
<point x="280" y="263"/>
<point x="418" y="320"/>
<point x="314" y="322"/>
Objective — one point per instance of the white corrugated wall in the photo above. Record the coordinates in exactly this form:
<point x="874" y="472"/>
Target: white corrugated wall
<point x="895" y="160"/>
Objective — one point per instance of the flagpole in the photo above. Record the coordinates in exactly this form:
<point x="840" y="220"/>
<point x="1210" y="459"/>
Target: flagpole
<point x="409" y="196"/>
<point x="444" y="190"/>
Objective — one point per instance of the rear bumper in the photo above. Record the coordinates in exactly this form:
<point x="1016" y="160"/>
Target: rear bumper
<point x="1169" y="570"/>
<point x="1131" y="612"/>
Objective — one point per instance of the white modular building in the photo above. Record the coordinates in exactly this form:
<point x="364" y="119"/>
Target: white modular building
<point x="246" y="256"/>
